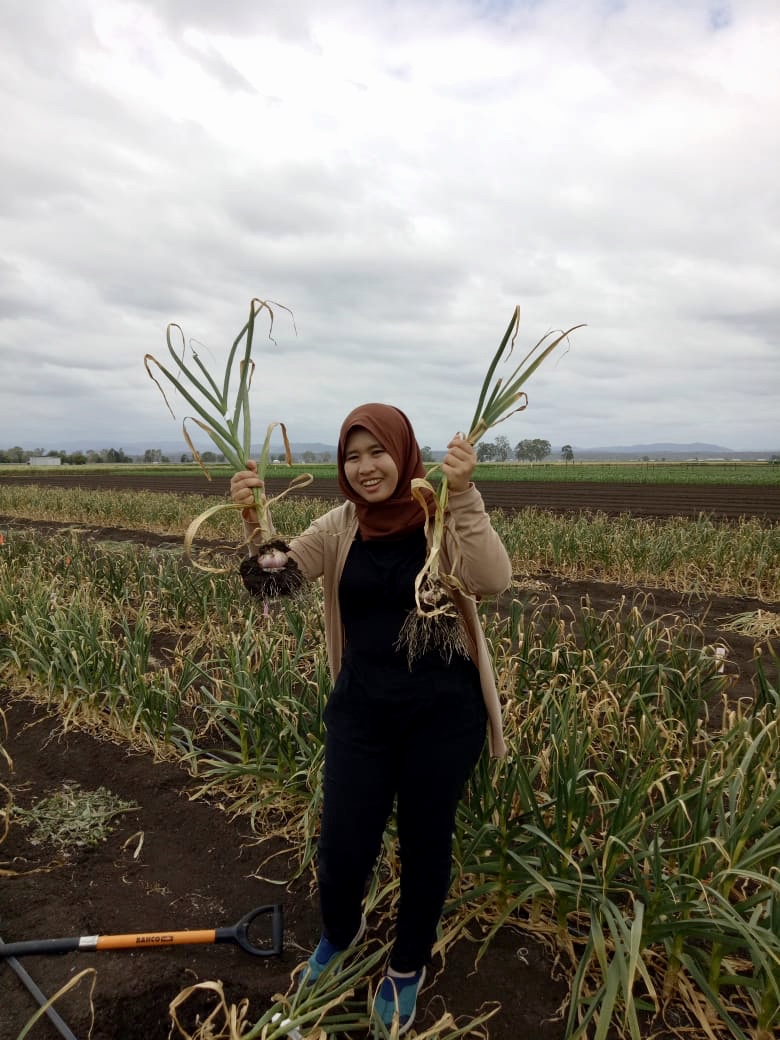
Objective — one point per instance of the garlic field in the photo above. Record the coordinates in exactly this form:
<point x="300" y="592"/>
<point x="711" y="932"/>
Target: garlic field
<point x="615" y="876"/>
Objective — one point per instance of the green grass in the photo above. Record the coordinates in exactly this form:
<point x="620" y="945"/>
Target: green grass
<point x="759" y="474"/>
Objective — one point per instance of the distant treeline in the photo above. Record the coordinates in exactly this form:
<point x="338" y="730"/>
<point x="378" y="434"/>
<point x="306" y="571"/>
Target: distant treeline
<point x="21" y="456"/>
<point x="499" y="450"/>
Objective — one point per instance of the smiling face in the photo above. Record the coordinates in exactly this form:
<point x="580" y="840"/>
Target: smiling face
<point x="369" y="469"/>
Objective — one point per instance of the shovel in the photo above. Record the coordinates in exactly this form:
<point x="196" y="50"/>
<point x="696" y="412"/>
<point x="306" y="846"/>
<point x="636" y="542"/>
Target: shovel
<point x="239" y="934"/>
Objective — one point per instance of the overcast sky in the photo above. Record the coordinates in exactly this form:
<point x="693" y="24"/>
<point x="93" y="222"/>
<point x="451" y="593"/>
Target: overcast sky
<point x="400" y="174"/>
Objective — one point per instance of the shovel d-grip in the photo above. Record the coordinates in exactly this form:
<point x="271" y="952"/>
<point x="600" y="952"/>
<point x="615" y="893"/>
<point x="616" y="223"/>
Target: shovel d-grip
<point x="239" y="933"/>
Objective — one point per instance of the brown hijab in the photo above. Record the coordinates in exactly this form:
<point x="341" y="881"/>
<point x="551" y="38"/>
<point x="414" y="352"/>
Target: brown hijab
<point x="399" y="514"/>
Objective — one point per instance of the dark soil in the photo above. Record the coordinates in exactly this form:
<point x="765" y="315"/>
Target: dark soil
<point x="720" y="501"/>
<point x="195" y="870"/>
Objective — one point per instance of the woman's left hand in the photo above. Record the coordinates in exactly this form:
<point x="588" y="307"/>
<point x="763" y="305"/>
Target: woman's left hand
<point x="459" y="463"/>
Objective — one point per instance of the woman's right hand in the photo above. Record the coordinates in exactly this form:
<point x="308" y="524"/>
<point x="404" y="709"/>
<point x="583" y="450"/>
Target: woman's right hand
<point x="241" y="494"/>
<point x="241" y="485"/>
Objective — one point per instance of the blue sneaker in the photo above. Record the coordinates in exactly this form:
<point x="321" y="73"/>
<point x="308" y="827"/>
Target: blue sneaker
<point x="398" y="997"/>
<point x="324" y="954"/>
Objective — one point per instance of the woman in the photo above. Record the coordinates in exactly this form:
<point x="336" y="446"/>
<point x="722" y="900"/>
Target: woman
<point x="394" y="732"/>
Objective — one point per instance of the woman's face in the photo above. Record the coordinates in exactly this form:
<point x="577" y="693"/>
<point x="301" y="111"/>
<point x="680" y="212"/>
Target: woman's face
<point x="369" y="469"/>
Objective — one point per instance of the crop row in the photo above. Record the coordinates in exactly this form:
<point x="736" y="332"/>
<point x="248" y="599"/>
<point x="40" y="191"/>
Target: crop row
<point x="686" y="554"/>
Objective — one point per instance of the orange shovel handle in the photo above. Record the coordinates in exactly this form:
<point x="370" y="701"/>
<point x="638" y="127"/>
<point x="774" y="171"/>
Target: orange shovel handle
<point x="238" y="934"/>
<point x="147" y="939"/>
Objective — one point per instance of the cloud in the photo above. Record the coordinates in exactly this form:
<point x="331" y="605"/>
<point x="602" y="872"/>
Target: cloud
<point x="399" y="175"/>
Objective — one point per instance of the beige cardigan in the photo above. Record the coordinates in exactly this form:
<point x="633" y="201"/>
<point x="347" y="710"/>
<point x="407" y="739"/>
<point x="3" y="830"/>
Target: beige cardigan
<point x="483" y="568"/>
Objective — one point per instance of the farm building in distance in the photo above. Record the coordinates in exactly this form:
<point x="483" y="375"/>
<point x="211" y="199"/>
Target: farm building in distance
<point x="45" y="460"/>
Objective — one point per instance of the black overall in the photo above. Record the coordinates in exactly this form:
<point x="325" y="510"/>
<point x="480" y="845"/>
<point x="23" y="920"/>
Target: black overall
<point x="392" y="733"/>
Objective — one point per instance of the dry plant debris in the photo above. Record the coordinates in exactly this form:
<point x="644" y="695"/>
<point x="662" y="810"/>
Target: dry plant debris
<point x="73" y="818"/>
<point x="760" y="624"/>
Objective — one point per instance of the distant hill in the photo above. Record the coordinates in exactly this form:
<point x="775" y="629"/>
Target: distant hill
<point x="670" y="451"/>
<point x="298" y="447"/>
<point x="696" y="448"/>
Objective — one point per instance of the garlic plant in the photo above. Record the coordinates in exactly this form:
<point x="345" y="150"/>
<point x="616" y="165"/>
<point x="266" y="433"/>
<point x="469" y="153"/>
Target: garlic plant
<point x="229" y="427"/>
<point x="435" y="623"/>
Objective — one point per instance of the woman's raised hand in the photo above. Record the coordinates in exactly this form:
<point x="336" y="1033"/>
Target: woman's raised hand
<point x="242" y="483"/>
<point x="459" y="462"/>
<point x="242" y="494"/>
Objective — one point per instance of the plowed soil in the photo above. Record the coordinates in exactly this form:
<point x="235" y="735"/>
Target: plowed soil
<point x="720" y="501"/>
<point x="195" y="867"/>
